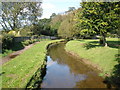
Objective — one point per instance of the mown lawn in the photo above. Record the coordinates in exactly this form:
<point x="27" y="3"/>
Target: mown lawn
<point x="17" y="72"/>
<point x="104" y="57"/>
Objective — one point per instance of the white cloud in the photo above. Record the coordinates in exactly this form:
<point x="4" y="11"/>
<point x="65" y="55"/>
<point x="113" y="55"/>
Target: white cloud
<point x="48" y="6"/>
<point x="57" y="6"/>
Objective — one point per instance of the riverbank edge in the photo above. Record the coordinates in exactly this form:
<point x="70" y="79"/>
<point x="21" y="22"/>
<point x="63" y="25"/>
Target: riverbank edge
<point x="37" y="78"/>
<point x="88" y="63"/>
<point x="18" y="61"/>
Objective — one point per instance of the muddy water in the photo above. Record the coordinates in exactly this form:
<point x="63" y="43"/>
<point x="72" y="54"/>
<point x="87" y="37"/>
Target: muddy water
<point x="66" y="71"/>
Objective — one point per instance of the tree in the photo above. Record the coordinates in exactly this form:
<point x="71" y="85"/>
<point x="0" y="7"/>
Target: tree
<point x="66" y="28"/>
<point x="55" y="23"/>
<point x="52" y="16"/>
<point x="71" y="9"/>
<point x="43" y="28"/>
<point x="98" y="18"/>
<point x="16" y="14"/>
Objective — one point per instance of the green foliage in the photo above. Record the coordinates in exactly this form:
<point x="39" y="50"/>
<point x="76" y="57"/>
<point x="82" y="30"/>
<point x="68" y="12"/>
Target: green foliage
<point x="6" y="52"/>
<point x="98" y="18"/>
<point x="7" y="41"/>
<point x="14" y="13"/>
<point x="43" y="28"/>
<point x="28" y="42"/>
<point x="66" y="28"/>
<point x="26" y="31"/>
<point x="56" y="21"/>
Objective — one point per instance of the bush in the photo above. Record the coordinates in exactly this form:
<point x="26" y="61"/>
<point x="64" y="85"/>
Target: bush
<point x="6" y="52"/>
<point x="7" y="41"/>
<point x="28" y="42"/>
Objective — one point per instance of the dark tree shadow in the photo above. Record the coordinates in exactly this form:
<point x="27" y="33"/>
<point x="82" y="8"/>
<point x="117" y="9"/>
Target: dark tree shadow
<point x="93" y="44"/>
<point x="80" y="40"/>
<point x="114" y="79"/>
<point x="114" y="44"/>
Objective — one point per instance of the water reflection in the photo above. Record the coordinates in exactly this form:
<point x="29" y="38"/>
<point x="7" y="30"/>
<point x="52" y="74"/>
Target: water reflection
<point x="66" y="71"/>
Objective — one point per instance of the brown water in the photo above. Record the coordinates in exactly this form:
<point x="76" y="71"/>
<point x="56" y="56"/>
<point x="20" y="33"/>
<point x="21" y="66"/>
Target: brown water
<point x="66" y="71"/>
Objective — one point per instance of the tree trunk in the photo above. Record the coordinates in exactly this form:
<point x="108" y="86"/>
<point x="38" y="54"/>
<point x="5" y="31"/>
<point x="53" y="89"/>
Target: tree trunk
<point x="14" y="24"/>
<point x="10" y="25"/>
<point x="103" y="41"/>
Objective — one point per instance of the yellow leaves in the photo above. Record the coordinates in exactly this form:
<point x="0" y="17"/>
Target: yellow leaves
<point x="12" y="33"/>
<point x="91" y="11"/>
<point x="104" y="23"/>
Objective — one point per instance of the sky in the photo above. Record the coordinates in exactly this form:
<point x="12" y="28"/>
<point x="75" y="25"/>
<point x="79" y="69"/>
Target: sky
<point x="58" y="6"/>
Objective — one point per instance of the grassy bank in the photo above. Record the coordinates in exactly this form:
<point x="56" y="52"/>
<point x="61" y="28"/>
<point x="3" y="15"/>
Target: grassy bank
<point x="18" y="72"/>
<point x="103" y="57"/>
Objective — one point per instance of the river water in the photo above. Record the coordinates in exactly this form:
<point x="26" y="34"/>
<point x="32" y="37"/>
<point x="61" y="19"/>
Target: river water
<point x="67" y="71"/>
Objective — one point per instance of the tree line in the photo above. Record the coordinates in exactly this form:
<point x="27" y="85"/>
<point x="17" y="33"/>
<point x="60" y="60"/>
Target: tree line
<point x="92" y="18"/>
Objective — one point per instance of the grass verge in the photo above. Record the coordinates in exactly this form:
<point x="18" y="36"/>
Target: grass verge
<point x="103" y="57"/>
<point x="17" y="72"/>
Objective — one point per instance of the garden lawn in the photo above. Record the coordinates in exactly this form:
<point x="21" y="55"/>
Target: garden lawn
<point x="90" y="50"/>
<point x="17" y="72"/>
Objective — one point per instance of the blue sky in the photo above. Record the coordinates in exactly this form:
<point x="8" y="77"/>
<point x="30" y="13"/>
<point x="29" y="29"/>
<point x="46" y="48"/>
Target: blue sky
<point x="57" y="6"/>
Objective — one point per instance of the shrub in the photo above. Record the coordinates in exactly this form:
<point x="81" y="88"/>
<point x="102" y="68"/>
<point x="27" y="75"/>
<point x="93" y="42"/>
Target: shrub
<point x="26" y="43"/>
<point x="6" y="52"/>
<point x="7" y="41"/>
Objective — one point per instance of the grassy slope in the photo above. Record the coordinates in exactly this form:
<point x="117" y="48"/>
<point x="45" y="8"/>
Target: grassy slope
<point x="102" y="56"/>
<point x="17" y="72"/>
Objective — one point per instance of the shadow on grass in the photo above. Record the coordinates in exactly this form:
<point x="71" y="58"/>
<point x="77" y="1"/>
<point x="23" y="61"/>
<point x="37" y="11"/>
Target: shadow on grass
<point x="114" y="44"/>
<point x="93" y="44"/>
<point x="114" y="79"/>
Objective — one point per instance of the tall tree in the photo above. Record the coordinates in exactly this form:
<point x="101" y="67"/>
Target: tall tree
<point x="14" y="14"/>
<point x="99" y="18"/>
<point x="67" y="29"/>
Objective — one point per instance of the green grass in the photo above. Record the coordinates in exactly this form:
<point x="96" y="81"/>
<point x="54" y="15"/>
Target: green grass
<point x="90" y="50"/>
<point x="17" y="72"/>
